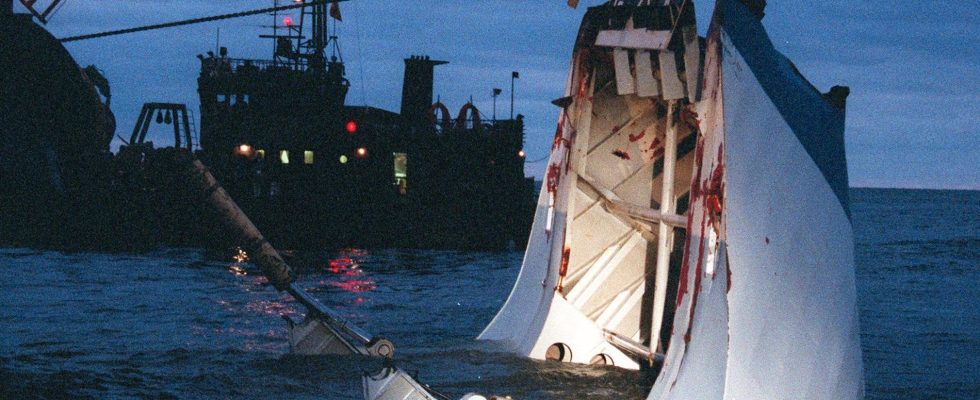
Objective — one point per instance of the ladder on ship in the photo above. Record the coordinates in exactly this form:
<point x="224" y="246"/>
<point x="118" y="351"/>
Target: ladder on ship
<point x="195" y="140"/>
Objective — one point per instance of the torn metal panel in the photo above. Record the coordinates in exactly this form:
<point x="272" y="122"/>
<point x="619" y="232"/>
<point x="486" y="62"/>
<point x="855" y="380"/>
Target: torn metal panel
<point x="673" y="88"/>
<point x="692" y="61"/>
<point x="624" y="72"/>
<point x="585" y="273"/>
<point x="640" y="39"/>
<point x="647" y="84"/>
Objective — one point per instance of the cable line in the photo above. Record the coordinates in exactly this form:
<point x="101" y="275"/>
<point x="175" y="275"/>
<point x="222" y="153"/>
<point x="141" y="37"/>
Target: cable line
<point x="193" y="21"/>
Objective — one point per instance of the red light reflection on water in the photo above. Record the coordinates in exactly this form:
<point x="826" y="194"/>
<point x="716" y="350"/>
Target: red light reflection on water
<point x="356" y="286"/>
<point x="347" y="265"/>
<point x="344" y="265"/>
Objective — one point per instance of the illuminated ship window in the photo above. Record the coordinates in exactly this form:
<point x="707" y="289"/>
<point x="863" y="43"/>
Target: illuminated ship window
<point x="401" y="171"/>
<point x="343" y="159"/>
<point x="284" y="156"/>
<point x="260" y="153"/>
<point x="307" y="157"/>
<point x="221" y="98"/>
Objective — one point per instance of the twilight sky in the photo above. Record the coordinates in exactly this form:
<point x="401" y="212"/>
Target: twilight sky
<point x="913" y="117"/>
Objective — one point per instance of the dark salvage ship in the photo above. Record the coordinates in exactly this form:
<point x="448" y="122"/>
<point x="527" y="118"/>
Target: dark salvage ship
<point x="314" y="171"/>
<point x="311" y="171"/>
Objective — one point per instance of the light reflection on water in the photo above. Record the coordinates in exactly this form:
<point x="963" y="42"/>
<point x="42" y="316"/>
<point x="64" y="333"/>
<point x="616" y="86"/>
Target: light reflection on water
<point x="237" y="269"/>
<point x="348" y="274"/>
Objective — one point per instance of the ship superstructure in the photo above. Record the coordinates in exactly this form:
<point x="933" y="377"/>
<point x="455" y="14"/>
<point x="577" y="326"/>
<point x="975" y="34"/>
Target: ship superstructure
<point x="313" y="171"/>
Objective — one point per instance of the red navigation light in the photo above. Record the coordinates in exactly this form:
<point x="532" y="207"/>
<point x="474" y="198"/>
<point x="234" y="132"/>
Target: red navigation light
<point x="351" y="127"/>
<point x="361" y="152"/>
<point x="244" y="149"/>
<point x="288" y="21"/>
<point x="521" y="154"/>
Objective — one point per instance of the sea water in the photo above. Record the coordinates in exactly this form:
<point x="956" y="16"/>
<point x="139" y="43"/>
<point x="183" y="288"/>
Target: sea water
<point x="178" y="324"/>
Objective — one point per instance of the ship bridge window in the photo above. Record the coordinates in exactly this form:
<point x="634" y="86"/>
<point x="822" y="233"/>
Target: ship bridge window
<point x="221" y="98"/>
<point x="308" y="157"/>
<point x="235" y="99"/>
<point x="284" y="156"/>
<point x="401" y="171"/>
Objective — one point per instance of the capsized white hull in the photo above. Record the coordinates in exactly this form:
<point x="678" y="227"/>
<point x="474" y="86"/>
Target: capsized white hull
<point x="768" y="306"/>
<point x="762" y="297"/>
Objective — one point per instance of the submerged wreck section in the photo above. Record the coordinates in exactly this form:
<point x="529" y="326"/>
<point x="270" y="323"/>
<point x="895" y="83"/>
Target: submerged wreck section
<point x="617" y="182"/>
<point x="694" y="219"/>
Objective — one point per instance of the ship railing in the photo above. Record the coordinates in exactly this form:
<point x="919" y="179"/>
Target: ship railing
<point x="238" y="63"/>
<point x="227" y="65"/>
<point x="498" y="127"/>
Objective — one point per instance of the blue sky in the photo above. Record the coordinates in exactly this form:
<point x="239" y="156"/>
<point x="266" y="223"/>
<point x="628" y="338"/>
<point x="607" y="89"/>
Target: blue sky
<point x="913" y="117"/>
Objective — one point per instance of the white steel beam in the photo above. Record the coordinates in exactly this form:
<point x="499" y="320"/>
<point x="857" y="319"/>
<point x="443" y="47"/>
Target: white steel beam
<point x="665" y="237"/>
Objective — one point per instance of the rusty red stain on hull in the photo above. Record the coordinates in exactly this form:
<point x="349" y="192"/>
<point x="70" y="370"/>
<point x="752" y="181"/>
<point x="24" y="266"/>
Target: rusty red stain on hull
<point x="559" y="131"/>
<point x="697" y="278"/>
<point x="563" y="268"/>
<point x="695" y="194"/>
<point x="554" y="177"/>
<point x="654" y="144"/>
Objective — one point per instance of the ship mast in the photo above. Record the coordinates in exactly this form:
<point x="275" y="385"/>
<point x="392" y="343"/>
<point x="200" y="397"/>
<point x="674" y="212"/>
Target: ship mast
<point x="293" y="48"/>
<point x="318" y="42"/>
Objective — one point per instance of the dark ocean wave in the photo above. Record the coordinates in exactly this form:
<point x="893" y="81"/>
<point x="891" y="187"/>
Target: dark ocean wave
<point x="177" y="323"/>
